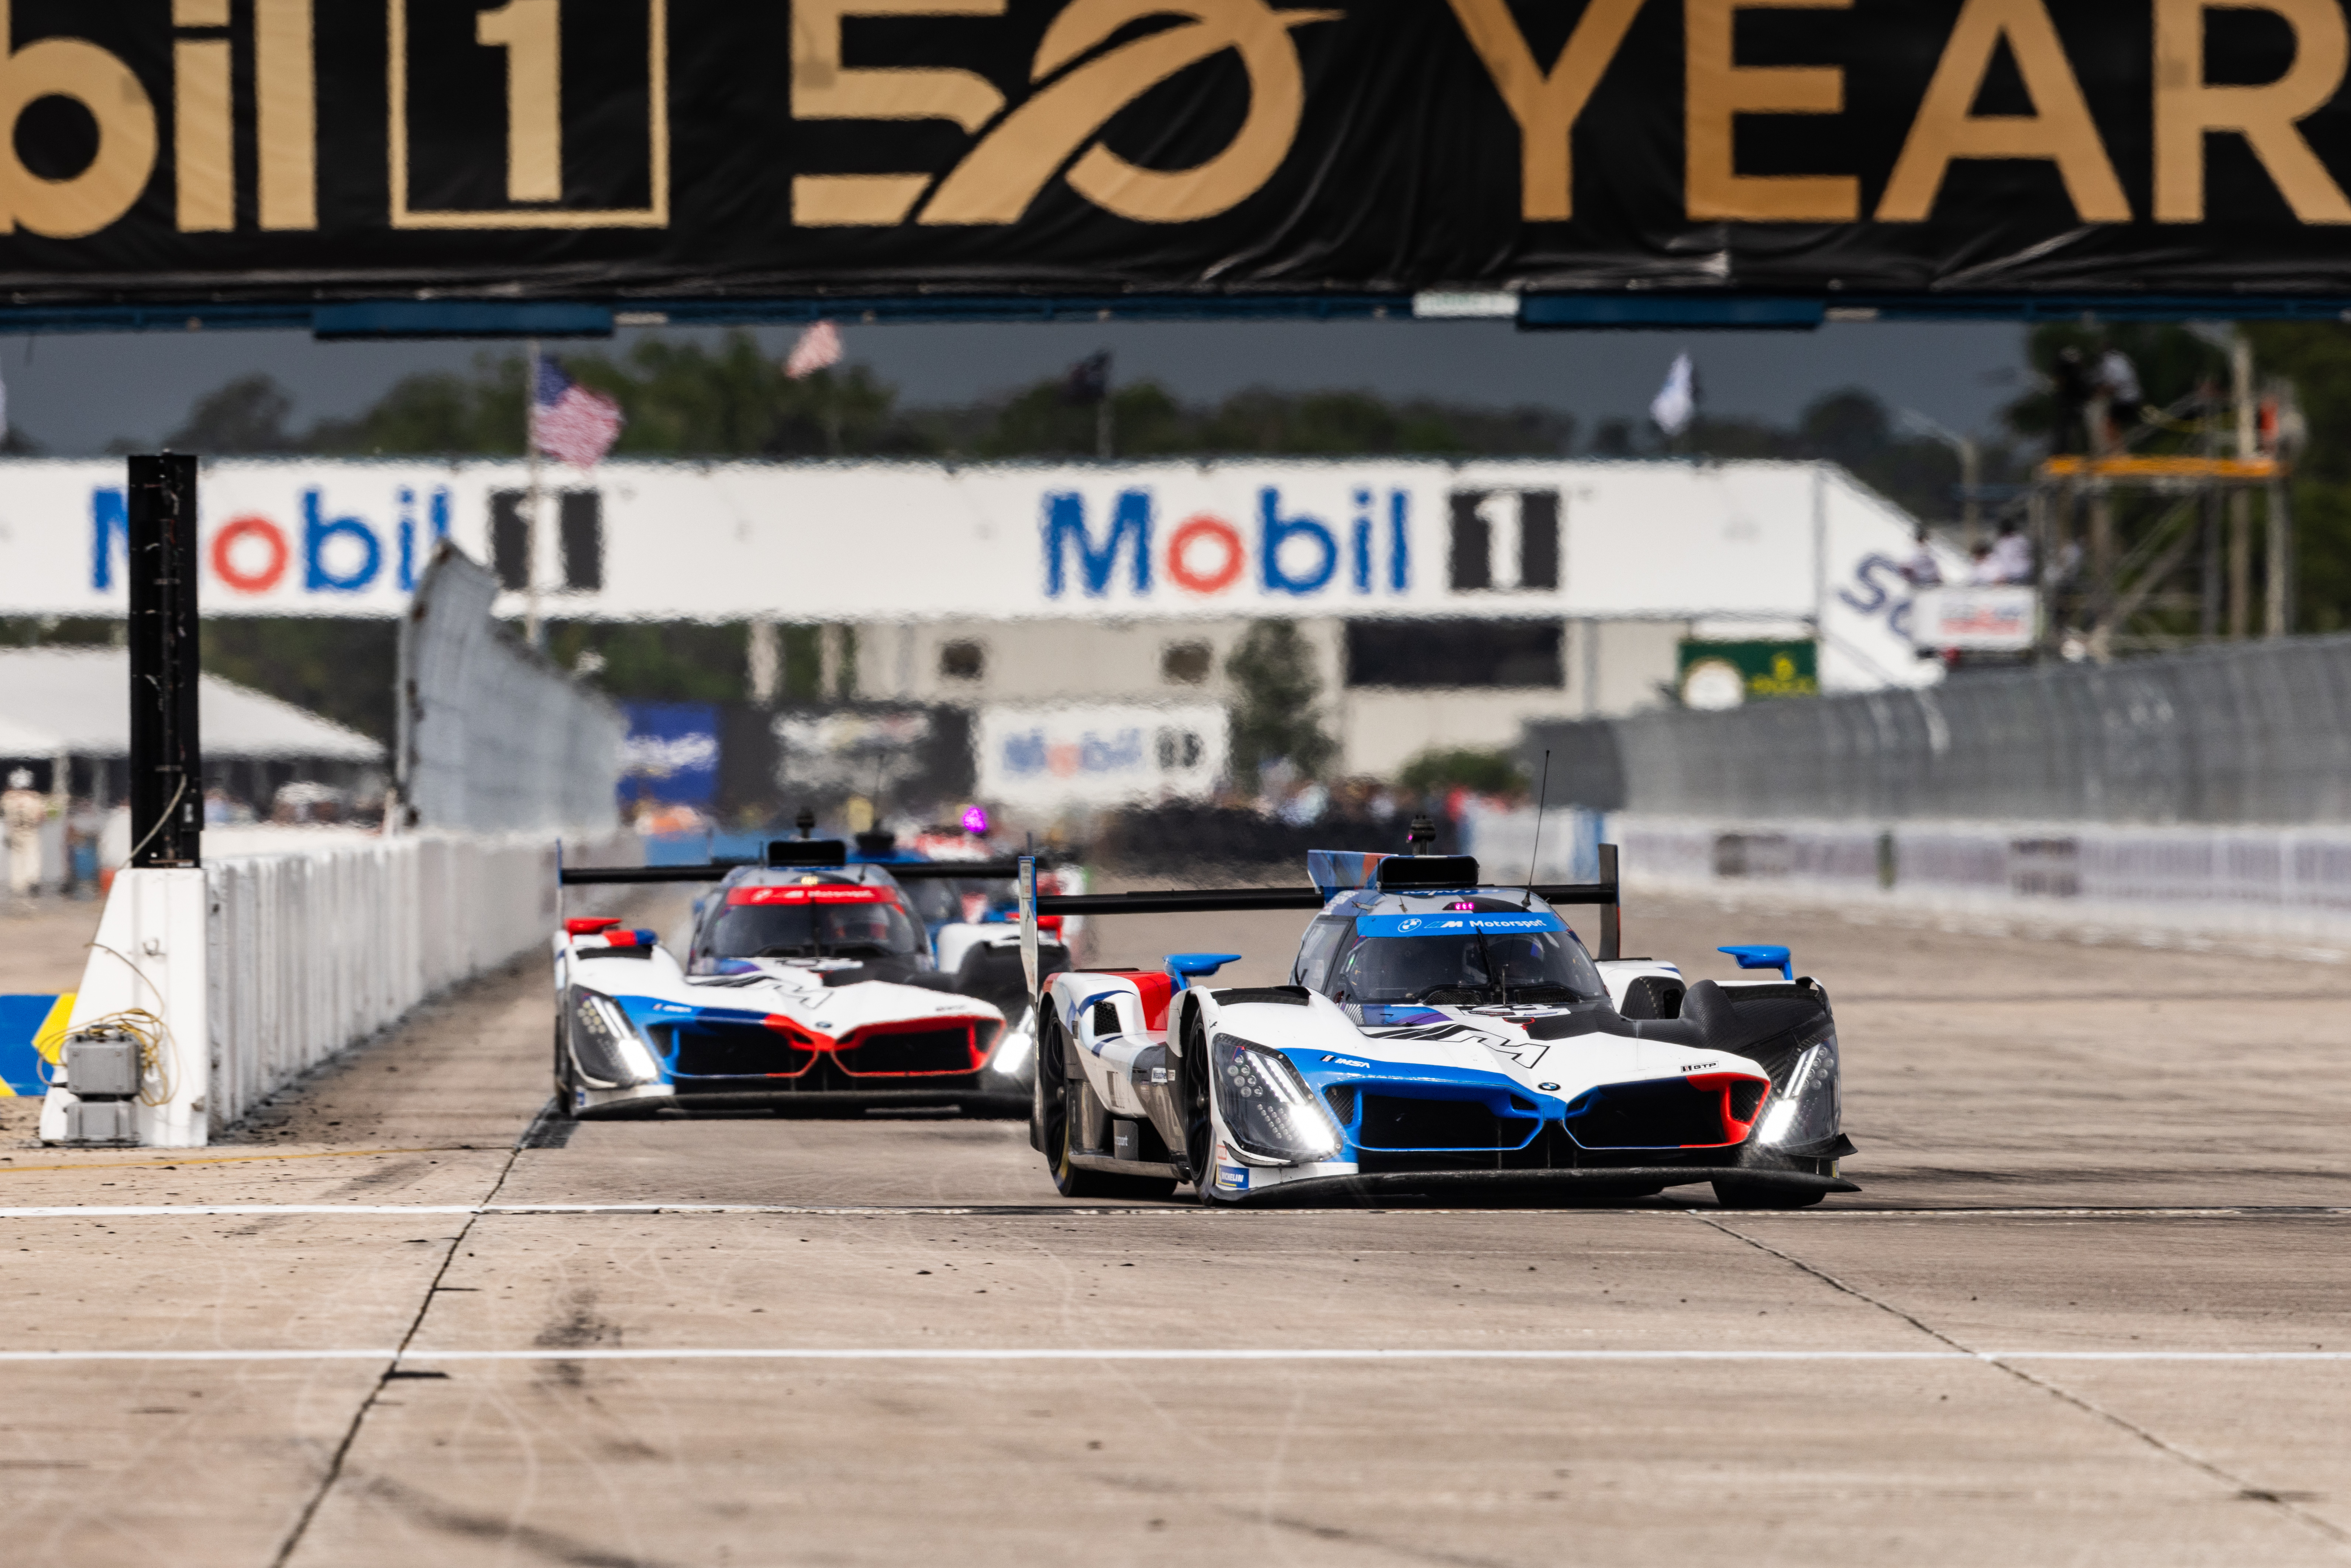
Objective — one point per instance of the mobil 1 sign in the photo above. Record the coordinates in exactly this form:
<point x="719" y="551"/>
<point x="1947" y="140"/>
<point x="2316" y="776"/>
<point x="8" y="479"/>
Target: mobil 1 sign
<point x="163" y="150"/>
<point x="1755" y="542"/>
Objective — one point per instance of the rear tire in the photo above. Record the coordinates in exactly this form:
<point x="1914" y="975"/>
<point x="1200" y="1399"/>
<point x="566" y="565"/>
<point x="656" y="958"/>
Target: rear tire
<point x="1057" y="1095"/>
<point x="1759" y="1194"/>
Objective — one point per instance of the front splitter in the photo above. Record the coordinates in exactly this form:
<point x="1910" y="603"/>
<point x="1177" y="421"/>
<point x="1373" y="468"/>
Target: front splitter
<point x="1628" y="1181"/>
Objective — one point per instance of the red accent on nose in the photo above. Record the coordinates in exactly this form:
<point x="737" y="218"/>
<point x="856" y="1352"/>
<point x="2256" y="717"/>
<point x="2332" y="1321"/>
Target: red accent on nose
<point x="1734" y="1130"/>
<point x="588" y="925"/>
<point x="1052" y="923"/>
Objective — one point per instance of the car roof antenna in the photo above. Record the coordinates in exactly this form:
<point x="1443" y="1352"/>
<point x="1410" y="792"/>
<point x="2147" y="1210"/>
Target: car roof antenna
<point x="1534" y="853"/>
<point x="805" y="822"/>
<point x="1422" y="832"/>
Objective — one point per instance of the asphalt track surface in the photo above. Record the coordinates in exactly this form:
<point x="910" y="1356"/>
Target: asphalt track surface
<point x="2094" y="1307"/>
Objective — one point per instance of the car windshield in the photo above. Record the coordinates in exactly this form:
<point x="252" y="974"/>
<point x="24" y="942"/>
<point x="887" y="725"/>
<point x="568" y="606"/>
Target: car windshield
<point x="1480" y="967"/>
<point x="825" y="931"/>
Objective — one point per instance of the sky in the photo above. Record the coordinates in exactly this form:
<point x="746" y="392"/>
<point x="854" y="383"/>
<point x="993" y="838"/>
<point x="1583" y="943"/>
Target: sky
<point x="73" y="394"/>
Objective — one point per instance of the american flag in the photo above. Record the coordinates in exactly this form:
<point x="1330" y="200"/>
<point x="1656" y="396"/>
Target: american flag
<point x="568" y="422"/>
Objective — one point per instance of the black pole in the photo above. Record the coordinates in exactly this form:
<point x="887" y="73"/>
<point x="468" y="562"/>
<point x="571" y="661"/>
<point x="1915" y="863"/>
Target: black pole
<point x="167" y="780"/>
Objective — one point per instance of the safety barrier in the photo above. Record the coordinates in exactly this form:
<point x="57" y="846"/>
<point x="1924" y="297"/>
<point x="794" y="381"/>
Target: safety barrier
<point x="312" y="950"/>
<point x="2256" y="732"/>
<point x="2266" y="880"/>
<point x="311" y="943"/>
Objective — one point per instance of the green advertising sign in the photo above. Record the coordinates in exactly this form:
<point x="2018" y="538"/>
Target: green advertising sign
<point x="1726" y="675"/>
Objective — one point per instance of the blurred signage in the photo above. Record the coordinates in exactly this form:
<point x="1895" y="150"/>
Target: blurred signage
<point x="1106" y="754"/>
<point x="670" y="755"/>
<point x="624" y="148"/>
<point x="1714" y="675"/>
<point x="1986" y="620"/>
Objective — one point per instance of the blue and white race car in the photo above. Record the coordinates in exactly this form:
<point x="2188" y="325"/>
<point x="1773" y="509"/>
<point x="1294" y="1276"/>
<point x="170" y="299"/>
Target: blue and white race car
<point x="807" y="984"/>
<point x="1438" y="1033"/>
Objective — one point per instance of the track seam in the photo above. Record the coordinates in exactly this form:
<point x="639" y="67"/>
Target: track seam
<point x="2245" y="1490"/>
<point x="415" y="1324"/>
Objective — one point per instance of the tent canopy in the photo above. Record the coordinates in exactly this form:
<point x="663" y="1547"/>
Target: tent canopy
<point x="76" y="701"/>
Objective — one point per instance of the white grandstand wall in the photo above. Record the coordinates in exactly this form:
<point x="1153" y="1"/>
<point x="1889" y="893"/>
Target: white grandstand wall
<point x="2264" y="884"/>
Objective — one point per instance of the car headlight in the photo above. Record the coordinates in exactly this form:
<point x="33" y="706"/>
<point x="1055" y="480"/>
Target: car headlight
<point x="1019" y="1041"/>
<point x="1267" y="1109"/>
<point x="1809" y="1111"/>
<point x="609" y="1051"/>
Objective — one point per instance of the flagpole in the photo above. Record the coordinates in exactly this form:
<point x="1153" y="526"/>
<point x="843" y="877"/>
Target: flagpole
<point x="532" y="631"/>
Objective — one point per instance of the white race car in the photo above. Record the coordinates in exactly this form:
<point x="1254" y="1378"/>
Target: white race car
<point x="808" y="984"/>
<point x="1437" y="1034"/>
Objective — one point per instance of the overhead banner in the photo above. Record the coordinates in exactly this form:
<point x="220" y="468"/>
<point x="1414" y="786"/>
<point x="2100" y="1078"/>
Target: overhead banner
<point x="897" y="542"/>
<point x="185" y="150"/>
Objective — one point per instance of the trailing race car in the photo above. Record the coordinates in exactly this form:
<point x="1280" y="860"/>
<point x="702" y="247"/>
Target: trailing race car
<point x="1436" y="1033"/>
<point x="806" y="983"/>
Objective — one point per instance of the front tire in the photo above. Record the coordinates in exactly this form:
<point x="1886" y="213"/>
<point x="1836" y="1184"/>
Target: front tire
<point x="1056" y="1110"/>
<point x="563" y="1098"/>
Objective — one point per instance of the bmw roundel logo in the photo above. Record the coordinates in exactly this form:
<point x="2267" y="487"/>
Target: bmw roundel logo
<point x="1552" y="1088"/>
<point x="1407" y="925"/>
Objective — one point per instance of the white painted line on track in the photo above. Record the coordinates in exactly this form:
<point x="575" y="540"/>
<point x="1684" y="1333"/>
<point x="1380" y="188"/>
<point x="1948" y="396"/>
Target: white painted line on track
<point x="1184" y="1354"/>
<point x="201" y="1210"/>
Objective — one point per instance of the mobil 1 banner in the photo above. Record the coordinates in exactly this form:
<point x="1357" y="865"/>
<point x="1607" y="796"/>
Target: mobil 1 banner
<point x="288" y="149"/>
<point x="1379" y="542"/>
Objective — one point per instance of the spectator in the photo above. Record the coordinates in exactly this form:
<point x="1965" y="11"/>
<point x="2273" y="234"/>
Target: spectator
<point x="1981" y="569"/>
<point x="23" y="809"/>
<point x="1922" y="571"/>
<point x="2011" y="556"/>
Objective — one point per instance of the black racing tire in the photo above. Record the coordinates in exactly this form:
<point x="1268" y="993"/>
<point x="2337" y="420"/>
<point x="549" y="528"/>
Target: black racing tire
<point x="562" y="1069"/>
<point x="1057" y="1098"/>
<point x="1762" y="1195"/>
<point x="1199" y="1112"/>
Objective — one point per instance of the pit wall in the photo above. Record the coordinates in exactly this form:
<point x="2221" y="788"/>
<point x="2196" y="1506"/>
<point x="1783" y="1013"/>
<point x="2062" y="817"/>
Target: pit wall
<point x="308" y="941"/>
<point x="2290" y="884"/>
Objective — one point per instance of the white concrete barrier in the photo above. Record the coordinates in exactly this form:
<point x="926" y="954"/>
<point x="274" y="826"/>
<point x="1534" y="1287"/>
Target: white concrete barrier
<point x="304" y="944"/>
<point x="2289" y="882"/>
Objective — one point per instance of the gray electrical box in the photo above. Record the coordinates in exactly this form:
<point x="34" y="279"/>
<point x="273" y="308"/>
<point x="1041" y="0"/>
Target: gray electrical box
<point x="99" y="1121"/>
<point x="102" y="1065"/>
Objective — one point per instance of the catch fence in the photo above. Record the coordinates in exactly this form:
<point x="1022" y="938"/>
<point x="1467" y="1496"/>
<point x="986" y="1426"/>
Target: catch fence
<point x="494" y="738"/>
<point x="2250" y="733"/>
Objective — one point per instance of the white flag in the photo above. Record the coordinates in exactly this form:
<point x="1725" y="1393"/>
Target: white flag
<point x="1677" y="401"/>
<point x="818" y="346"/>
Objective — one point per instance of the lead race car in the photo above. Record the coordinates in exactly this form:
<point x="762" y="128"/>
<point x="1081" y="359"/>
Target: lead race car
<point x="1438" y="1032"/>
<point x="806" y="983"/>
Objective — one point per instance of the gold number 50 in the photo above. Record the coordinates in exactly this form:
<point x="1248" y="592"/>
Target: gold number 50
<point x="531" y="33"/>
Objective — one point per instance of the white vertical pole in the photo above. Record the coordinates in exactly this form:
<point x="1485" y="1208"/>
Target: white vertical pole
<point x="533" y="632"/>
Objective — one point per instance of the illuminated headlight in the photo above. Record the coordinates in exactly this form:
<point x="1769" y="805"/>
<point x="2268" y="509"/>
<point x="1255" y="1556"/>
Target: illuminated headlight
<point x="1808" y="1112"/>
<point x="1267" y="1109"/>
<point x="1019" y="1041"/>
<point x="612" y="1054"/>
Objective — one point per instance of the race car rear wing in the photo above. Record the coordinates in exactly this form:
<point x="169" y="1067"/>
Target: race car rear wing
<point x="1605" y="893"/>
<point x="716" y="871"/>
<point x="783" y="852"/>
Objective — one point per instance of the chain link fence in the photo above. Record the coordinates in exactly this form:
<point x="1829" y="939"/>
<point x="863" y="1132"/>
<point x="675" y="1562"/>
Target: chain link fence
<point x="493" y="739"/>
<point x="2253" y="734"/>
